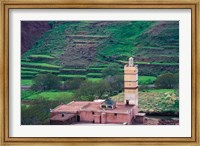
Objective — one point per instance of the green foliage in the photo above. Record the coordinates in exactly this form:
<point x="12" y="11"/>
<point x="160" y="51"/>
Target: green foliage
<point x="66" y="77"/>
<point x="51" y="95"/>
<point x="167" y="80"/>
<point x="94" y="79"/>
<point x="26" y="93"/>
<point x="116" y="84"/>
<point x="26" y="82"/>
<point x="41" y="56"/>
<point x="45" y="82"/>
<point x="146" y="80"/>
<point x="73" y="83"/>
<point x="111" y="70"/>
<point x="37" y="113"/>
<point x="33" y="64"/>
<point x="94" y="75"/>
<point x="89" y="90"/>
<point x="115" y="42"/>
<point x="155" y="101"/>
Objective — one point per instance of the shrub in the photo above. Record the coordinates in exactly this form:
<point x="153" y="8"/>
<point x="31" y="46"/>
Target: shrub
<point x="89" y="90"/>
<point x="45" y="82"/>
<point x="73" y="83"/>
<point x="167" y="80"/>
<point x="111" y="70"/>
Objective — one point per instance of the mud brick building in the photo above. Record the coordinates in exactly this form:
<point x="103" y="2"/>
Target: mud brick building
<point x="104" y="111"/>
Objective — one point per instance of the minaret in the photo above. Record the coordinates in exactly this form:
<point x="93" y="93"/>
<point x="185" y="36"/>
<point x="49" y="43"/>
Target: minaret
<point x="131" y="83"/>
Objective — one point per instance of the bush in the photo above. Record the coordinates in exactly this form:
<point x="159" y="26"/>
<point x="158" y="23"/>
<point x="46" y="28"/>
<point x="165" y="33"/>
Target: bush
<point x="116" y="83"/>
<point x="89" y="90"/>
<point x="45" y="82"/>
<point x="167" y="80"/>
<point x="37" y="113"/>
<point x="111" y="70"/>
<point x="73" y="83"/>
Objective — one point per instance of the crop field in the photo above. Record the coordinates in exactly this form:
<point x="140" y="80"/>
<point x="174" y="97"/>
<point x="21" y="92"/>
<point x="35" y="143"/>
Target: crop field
<point x="26" y="82"/>
<point x="48" y="95"/>
<point x="146" y="80"/>
<point x="85" y="50"/>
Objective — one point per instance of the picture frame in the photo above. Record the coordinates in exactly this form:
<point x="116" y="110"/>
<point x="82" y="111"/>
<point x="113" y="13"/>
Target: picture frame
<point x="6" y="5"/>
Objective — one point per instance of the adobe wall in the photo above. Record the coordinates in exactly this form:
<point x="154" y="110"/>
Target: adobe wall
<point x="118" y="118"/>
<point x="86" y="116"/>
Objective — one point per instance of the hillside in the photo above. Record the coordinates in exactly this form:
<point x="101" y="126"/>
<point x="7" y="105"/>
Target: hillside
<point x="84" y="48"/>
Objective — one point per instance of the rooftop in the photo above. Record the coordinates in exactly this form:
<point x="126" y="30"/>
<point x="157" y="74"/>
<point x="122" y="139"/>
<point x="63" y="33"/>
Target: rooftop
<point x="72" y="107"/>
<point x="77" y="106"/>
<point x="62" y="117"/>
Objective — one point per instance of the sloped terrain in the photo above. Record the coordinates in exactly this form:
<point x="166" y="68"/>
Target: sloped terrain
<point x="83" y="49"/>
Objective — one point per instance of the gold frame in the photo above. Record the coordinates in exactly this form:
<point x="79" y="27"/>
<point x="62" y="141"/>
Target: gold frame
<point x="145" y="4"/>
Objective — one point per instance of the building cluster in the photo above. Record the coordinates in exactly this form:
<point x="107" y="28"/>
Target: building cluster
<point x="104" y="111"/>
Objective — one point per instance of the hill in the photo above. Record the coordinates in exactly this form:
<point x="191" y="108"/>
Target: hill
<point x="83" y="49"/>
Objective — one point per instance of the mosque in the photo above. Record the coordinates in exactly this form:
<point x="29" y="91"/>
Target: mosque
<point x="104" y="111"/>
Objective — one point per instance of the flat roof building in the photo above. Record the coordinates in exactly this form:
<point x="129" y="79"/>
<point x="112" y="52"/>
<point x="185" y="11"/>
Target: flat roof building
<point x="103" y="111"/>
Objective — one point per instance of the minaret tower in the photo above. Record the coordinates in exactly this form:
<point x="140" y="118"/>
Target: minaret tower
<point x="131" y="83"/>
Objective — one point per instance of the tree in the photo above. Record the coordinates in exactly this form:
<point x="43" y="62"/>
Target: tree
<point x="111" y="70"/>
<point x="45" y="82"/>
<point x="73" y="83"/>
<point x="116" y="83"/>
<point x="167" y="80"/>
<point x="89" y="90"/>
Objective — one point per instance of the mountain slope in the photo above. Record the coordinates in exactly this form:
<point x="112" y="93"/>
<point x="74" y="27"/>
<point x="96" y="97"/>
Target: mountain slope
<point x="89" y="46"/>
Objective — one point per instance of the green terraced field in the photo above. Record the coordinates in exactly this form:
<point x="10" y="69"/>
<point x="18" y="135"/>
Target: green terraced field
<point x="50" y="95"/>
<point x="65" y="77"/>
<point x="146" y="80"/>
<point x="41" y="56"/>
<point x="94" y="75"/>
<point x="94" y="79"/>
<point x="34" y="64"/>
<point x="28" y="72"/>
<point x="26" y="82"/>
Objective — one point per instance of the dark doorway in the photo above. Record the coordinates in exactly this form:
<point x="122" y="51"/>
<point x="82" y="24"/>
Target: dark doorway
<point x="127" y="102"/>
<point x="78" y="118"/>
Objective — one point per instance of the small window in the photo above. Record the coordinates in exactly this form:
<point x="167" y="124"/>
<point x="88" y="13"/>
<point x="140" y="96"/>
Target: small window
<point x="63" y="115"/>
<point x="103" y="106"/>
<point x="93" y="113"/>
<point x="110" y="106"/>
<point x="115" y="114"/>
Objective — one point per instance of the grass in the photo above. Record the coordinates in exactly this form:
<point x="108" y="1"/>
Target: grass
<point x="26" y="82"/>
<point x="34" y="64"/>
<point x="94" y="79"/>
<point x="117" y="42"/>
<point x="38" y="70"/>
<point x="159" y="100"/>
<point x="51" y="95"/>
<point x="161" y="90"/>
<point x="73" y="76"/>
<point x="65" y="77"/>
<point x="26" y="93"/>
<point x="41" y="56"/>
<point x="146" y="80"/>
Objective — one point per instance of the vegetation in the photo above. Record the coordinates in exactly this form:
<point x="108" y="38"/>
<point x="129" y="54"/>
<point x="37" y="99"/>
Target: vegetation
<point x="26" y="82"/>
<point x="45" y="82"/>
<point x="167" y="80"/>
<point x="83" y="60"/>
<point x="157" y="101"/>
<point x="51" y="95"/>
<point x="73" y="84"/>
<point x="38" y="113"/>
<point x="146" y="80"/>
<point x="111" y="70"/>
<point x="90" y="90"/>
